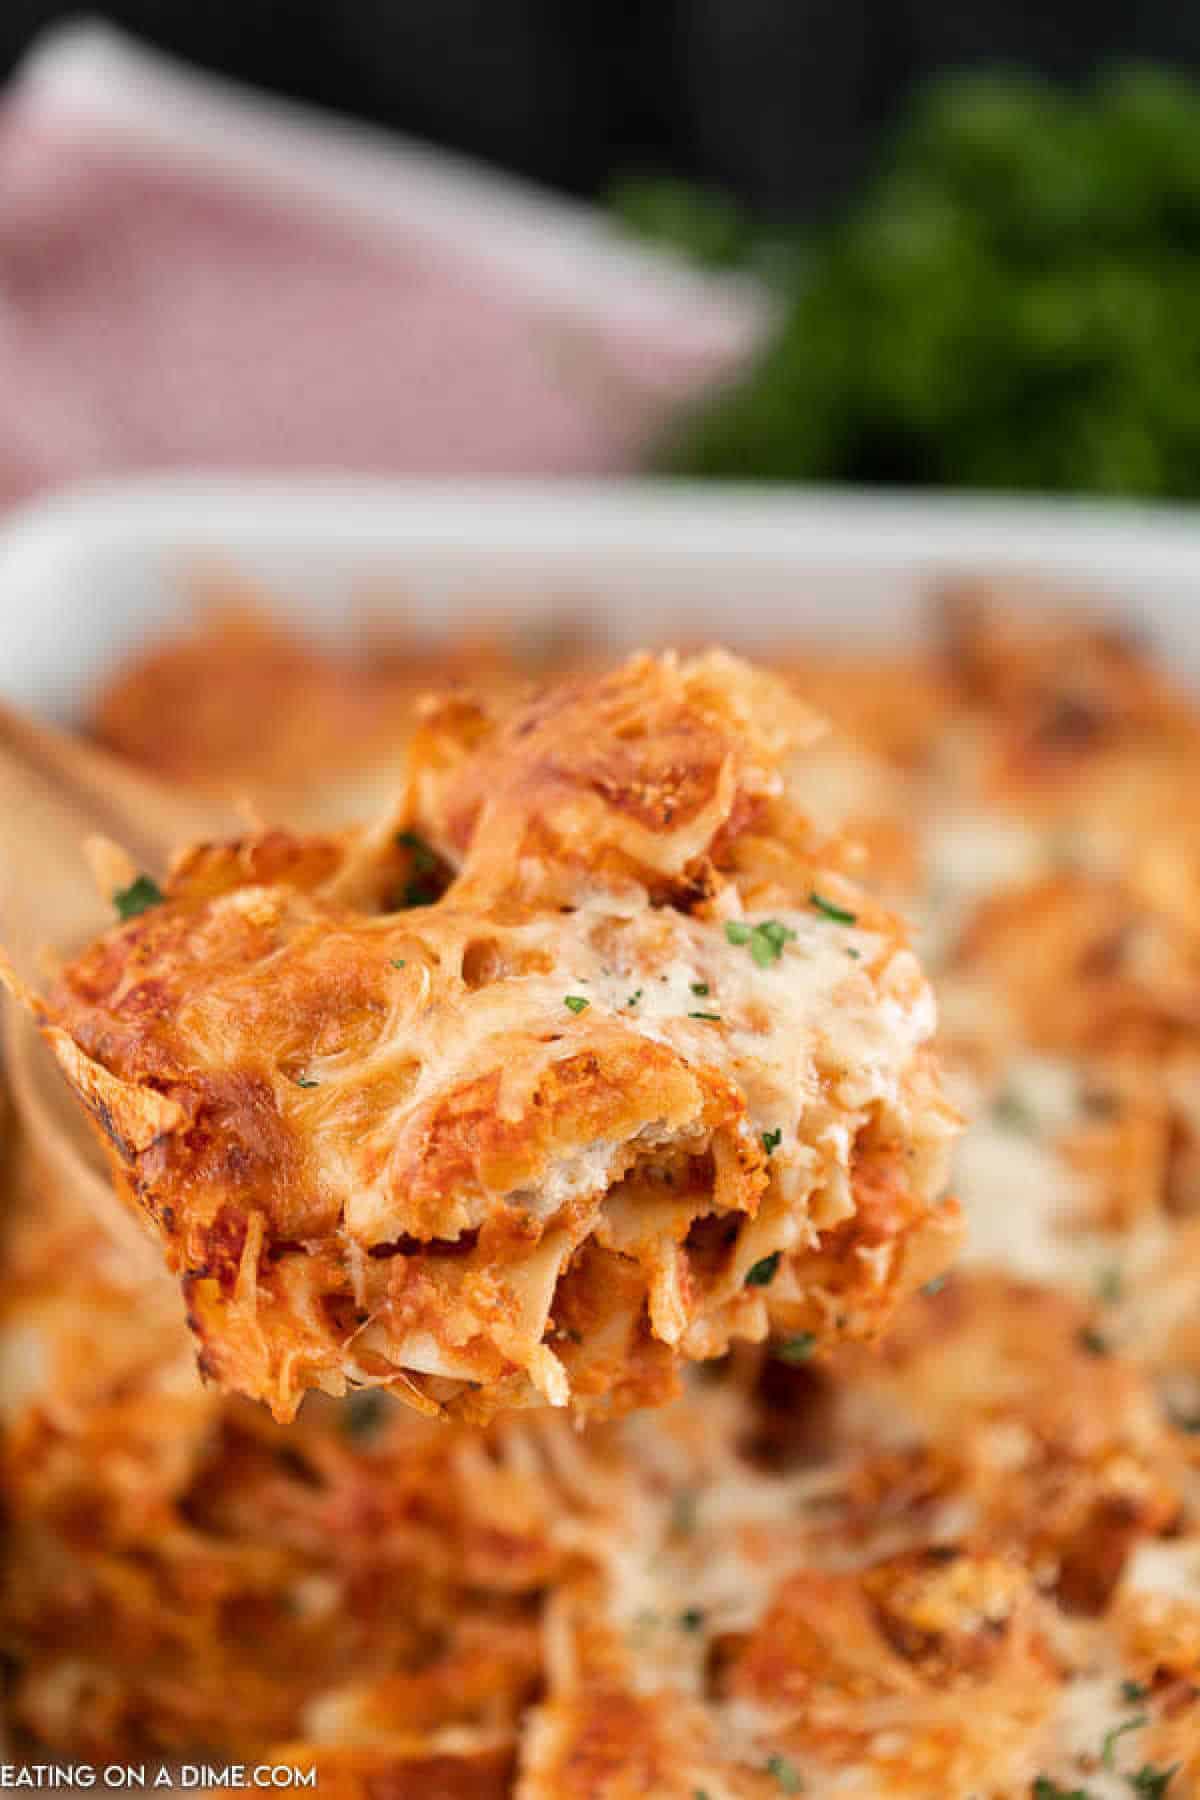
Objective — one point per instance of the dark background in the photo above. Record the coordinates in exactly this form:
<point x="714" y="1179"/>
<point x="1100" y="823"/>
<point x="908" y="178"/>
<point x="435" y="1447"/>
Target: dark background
<point x="780" y="101"/>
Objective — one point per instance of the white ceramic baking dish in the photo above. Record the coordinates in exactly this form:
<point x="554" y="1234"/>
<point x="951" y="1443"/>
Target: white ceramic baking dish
<point x="86" y="577"/>
<point x="89" y="576"/>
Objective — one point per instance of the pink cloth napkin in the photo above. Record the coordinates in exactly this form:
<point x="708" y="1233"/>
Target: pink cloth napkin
<point x="191" y="275"/>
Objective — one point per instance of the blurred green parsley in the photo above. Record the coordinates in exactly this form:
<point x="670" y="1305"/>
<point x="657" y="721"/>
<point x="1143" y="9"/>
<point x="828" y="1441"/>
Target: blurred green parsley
<point x="1010" y="304"/>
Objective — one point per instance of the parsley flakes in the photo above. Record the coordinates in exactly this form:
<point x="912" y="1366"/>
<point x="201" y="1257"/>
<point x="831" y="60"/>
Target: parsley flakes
<point x="785" y="1773"/>
<point x="838" y="914"/>
<point x="764" y="941"/>
<point x="423" y="859"/>
<point x="1109" y="1284"/>
<point x="762" y="1274"/>
<point x="138" y="897"/>
<point x="771" y="1140"/>
<point x="422" y="890"/>
<point x="1108" y="1747"/>
<point x="1010" y="1112"/>
<point x="715" y="1017"/>
<point x="1152" y="1783"/>
<point x="305" y="1081"/>
<point x="684" y="1505"/>
<point x="796" y="1349"/>
<point x="577" y="1003"/>
<point x="1149" y="1782"/>
<point x="363" y="1413"/>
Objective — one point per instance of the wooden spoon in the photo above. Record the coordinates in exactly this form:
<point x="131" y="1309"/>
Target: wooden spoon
<point x="56" y="792"/>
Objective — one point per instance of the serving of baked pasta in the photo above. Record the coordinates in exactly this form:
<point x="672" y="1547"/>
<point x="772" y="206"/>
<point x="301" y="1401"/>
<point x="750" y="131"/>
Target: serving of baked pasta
<point x="820" y="1516"/>
<point x="591" y="1058"/>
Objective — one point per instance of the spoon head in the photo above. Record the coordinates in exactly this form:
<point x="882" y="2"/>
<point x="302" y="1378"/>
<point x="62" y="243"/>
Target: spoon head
<point x="60" y="1135"/>
<point x="57" y="792"/>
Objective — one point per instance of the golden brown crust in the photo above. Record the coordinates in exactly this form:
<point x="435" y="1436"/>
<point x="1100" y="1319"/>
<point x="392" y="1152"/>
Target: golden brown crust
<point x="180" y="1572"/>
<point x="959" y="1566"/>
<point x="644" y="774"/>
<point x="903" y="1581"/>
<point x="649" y="1016"/>
<point x="241" y="700"/>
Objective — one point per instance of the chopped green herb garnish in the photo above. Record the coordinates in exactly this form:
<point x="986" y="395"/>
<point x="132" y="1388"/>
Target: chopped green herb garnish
<point x="1046" y="1789"/>
<point x="700" y="987"/>
<point x="634" y="997"/>
<point x="786" y="1774"/>
<point x="424" y="860"/>
<point x="138" y="897"/>
<point x="418" y="893"/>
<point x="420" y="890"/>
<point x="363" y="1413"/>
<point x="1152" y="1782"/>
<point x="1093" y="1341"/>
<point x="1009" y="1111"/>
<point x="715" y="1017"/>
<point x="398" y="962"/>
<point x="796" y="1349"/>
<point x="1133" y="1691"/>
<point x="1108" y="1748"/>
<point x="936" y="1285"/>
<point x="763" y="1272"/>
<point x="699" y="1794"/>
<point x="305" y="1081"/>
<point x="856" y="955"/>
<point x="765" y="940"/>
<point x="683" y="1512"/>
<point x="691" y="1619"/>
<point x="1108" y="1285"/>
<point x="771" y="1140"/>
<point x="576" y="1002"/>
<point x="837" y="913"/>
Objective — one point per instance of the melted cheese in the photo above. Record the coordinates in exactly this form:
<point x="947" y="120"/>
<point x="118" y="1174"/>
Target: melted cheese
<point x="926" y="1571"/>
<point x="464" y="1140"/>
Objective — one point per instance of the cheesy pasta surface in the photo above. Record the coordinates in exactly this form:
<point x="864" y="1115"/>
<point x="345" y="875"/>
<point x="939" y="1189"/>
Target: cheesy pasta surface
<point x="963" y="1563"/>
<point x="593" y="1058"/>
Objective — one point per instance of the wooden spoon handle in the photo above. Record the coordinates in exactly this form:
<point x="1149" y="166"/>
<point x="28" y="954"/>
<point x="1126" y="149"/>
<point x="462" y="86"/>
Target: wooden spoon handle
<point x="85" y="783"/>
<point x="66" y="1151"/>
<point x="55" y="793"/>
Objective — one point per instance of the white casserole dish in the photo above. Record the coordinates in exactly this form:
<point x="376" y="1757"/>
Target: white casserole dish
<point x="89" y="576"/>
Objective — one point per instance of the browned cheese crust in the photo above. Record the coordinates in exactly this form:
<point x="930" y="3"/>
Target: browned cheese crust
<point x="593" y="1057"/>
<point x="964" y="1563"/>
